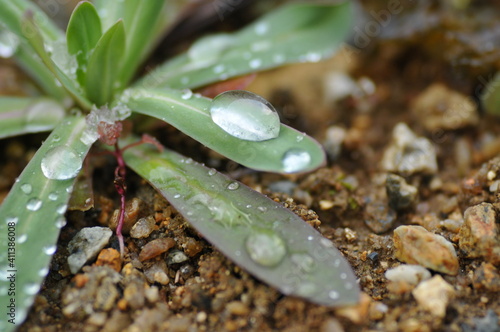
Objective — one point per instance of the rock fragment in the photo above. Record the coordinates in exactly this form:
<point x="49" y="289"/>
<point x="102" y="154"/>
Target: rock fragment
<point x="479" y="235"/>
<point x="433" y="295"/>
<point x="416" y="245"/>
<point x="486" y="277"/>
<point x="440" y="108"/>
<point x="409" y="273"/>
<point x="401" y="195"/>
<point x="111" y="258"/>
<point x="132" y="209"/>
<point x="86" y="245"/>
<point x="155" y="248"/>
<point x="408" y="154"/>
<point x="143" y="227"/>
<point x="379" y="217"/>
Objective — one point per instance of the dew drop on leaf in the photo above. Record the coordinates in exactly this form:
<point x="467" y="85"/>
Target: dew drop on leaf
<point x="22" y="238"/>
<point x="34" y="204"/>
<point x="61" y="163"/>
<point x="295" y="160"/>
<point x="186" y="94"/>
<point x="265" y="247"/>
<point x="333" y="294"/>
<point x="31" y="288"/>
<point x="233" y="186"/>
<point x="60" y="222"/>
<point x="8" y="43"/>
<point x="245" y="115"/>
<point x="26" y="188"/>
<point x="50" y="250"/>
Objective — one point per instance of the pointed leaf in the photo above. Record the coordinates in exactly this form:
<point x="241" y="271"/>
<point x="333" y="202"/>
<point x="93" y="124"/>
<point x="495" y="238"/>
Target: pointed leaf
<point x="82" y="34"/>
<point x="20" y="115"/>
<point x="299" y="32"/>
<point x="140" y="20"/>
<point x="33" y="213"/>
<point x="192" y="117"/>
<point x="33" y="35"/>
<point x="258" y="234"/>
<point x="105" y="64"/>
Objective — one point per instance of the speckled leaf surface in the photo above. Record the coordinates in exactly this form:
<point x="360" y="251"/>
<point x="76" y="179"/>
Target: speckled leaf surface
<point x="31" y="217"/>
<point x="258" y="234"/>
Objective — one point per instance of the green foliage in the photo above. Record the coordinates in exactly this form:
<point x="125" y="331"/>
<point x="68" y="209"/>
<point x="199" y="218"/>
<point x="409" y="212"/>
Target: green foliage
<point x="105" y="44"/>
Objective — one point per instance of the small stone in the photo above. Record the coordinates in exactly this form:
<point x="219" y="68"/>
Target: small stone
<point x="86" y="245"/>
<point x="452" y="225"/>
<point x="401" y="195"/>
<point x="409" y="273"/>
<point x="357" y="313"/>
<point x="479" y="235"/>
<point x="133" y="294"/>
<point x="152" y="294"/>
<point x="439" y="107"/>
<point x="237" y="308"/>
<point x="192" y="247"/>
<point x="143" y="227"/>
<point x="378" y="310"/>
<point x="486" y="277"/>
<point x="416" y="245"/>
<point x="132" y="209"/>
<point x="158" y="272"/>
<point x="433" y="295"/>
<point x="155" y="248"/>
<point x="111" y="258"/>
<point x="335" y="136"/>
<point x="408" y="154"/>
<point x="379" y="217"/>
<point x="176" y="257"/>
<point x="331" y="325"/>
<point x="97" y="319"/>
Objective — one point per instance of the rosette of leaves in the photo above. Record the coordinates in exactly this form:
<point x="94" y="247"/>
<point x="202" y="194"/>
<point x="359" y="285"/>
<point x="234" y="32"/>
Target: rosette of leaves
<point x="88" y="69"/>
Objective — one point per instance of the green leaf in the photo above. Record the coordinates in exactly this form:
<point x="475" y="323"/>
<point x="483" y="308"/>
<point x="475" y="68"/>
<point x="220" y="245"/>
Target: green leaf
<point x="105" y="64"/>
<point x="140" y="19"/>
<point x="258" y="234"/>
<point x="12" y="12"/>
<point x="490" y="97"/>
<point x="21" y="115"/>
<point x="82" y="34"/>
<point x="299" y="32"/>
<point x="33" y="213"/>
<point x="33" y="35"/>
<point x="109" y="12"/>
<point x="192" y="117"/>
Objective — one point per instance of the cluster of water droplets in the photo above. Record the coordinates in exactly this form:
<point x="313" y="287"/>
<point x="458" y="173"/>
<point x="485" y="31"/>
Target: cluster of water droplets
<point x="245" y="115"/>
<point x="103" y="114"/>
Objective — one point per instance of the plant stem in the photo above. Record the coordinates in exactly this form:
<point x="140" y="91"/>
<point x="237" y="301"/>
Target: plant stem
<point x="119" y="182"/>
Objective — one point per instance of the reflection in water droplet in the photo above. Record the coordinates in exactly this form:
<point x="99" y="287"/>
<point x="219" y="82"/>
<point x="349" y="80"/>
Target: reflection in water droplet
<point x="26" y="188"/>
<point x="295" y="160"/>
<point x="233" y="186"/>
<point x="50" y="250"/>
<point x="265" y="247"/>
<point x="61" y="163"/>
<point x="245" y="115"/>
<point x="34" y="204"/>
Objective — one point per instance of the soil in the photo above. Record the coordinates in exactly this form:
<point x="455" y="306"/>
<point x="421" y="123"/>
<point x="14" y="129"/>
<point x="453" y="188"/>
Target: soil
<point x="204" y="291"/>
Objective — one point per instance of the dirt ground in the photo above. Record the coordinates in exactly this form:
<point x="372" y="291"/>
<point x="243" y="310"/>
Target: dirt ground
<point x="426" y="70"/>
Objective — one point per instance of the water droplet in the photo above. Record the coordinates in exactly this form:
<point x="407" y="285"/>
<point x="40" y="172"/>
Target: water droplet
<point x="295" y="160"/>
<point x="177" y="195"/>
<point x="278" y="58"/>
<point x="219" y="69"/>
<point x="299" y="138"/>
<point x="255" y="63"/>
<point x="245" y="115"/>
<point x="26" y="188"/>
<point x="8" y="43"/>
<point x="61" y="163"/>
<point x="34" y="204"/>
<point x="343" y="276"/>
<point x="310" y="238"/>
<point x="62" y="208"/>
<point x="10" y="220"/>
<point x="208" y="49"/>
<point x="265" y="248"/>
<point x="53" y="196"/>
<point x="43" y="272"/>
<point x="50" y="250"/>
<point x="306" y="289"/>
<point x="186" y="94"/>
<point x="60" y="222"/>
<point x="303" y="261"/>
<point x="212" y="171"/>
<point x="31" y="288"/>
<point x="233" y="186"/>
<point x="333" y="294"/>
<point x="262" y="208"/>
<point x="22" y="238"/>
<point x="261" y="28"/>
<point x="313" y="57"/>
<point x="56" y="138"/>
<point x="40" y="112"/>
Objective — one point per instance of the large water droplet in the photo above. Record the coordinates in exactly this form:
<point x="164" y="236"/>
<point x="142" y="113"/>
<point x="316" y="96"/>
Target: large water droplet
<point x="233" y="186"/>
<point x="26" y="188"/>
<point x="34" y="204"/>
<point x="61" y="163"/>
<point x="265" y="248"/>
<point x="245" y="115"/>
<point x="50" y="250"/>
<point x="60" y="222"/>
<point x="295" y="160"/>
<point x="22" y="238"/>
<point x="31" y="289"/>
